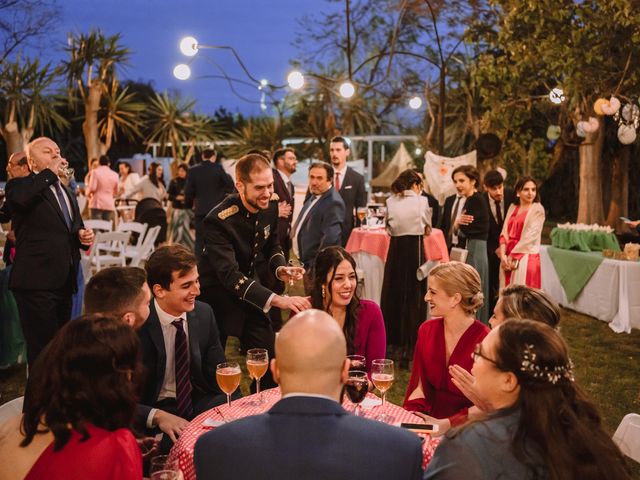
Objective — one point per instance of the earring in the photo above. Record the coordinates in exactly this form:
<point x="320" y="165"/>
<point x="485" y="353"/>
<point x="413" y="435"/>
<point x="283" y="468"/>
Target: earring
<point x="324" y="292"/>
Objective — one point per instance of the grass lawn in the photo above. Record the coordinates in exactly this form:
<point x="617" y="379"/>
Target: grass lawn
<point x="607" y="366"/>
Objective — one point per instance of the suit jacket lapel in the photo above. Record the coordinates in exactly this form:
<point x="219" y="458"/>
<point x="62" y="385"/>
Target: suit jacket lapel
<point x="155" y="332"/>
<point x="194" y="346"/>
<point x="313" y="207"/>
<point x="53" y="201"/>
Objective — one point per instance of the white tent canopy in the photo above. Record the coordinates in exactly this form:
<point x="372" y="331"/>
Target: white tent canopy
<point x="400" y="162"/>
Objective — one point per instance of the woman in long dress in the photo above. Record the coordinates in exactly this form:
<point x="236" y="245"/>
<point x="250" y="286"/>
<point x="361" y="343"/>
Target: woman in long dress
<point x="473" y="224"/>
<point x="181" y="217"/>
<point x="521" y="236"/>
<point x="403" y="308"/>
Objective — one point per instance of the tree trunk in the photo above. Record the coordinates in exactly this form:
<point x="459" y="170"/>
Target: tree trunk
<point x="619" y="205"/>
<point x="590" y="208"/>
<point x="90" y="124"/>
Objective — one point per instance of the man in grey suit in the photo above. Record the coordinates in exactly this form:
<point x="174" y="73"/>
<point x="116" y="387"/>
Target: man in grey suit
<point x="348" y="182"/>
<point x="320" y="221"/>
<point x="307" y="434"/>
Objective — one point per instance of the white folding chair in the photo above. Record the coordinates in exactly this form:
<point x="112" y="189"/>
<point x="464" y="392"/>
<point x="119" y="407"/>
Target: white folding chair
<point x="627" y="436"/>
<point x="108" y="250"/>
<point x="138" y="255"/>
<point x="99" y="225"/>
<point x="11" y="409"/>
<point x="135" y="228"/>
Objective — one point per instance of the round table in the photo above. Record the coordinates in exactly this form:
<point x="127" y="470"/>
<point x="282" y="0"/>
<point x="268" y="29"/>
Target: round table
<point x="183" y="448"/>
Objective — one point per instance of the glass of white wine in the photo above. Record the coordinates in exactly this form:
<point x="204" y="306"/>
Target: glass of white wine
<point x="257" y="364"/>
<point x="361" y="213"/>
<point x="382" y="375"/>
<point x="228" y="377"/>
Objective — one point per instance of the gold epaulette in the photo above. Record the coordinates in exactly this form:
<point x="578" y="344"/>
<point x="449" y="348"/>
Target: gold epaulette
<point x="274" y="196"/>
<point x="227" y="212"/>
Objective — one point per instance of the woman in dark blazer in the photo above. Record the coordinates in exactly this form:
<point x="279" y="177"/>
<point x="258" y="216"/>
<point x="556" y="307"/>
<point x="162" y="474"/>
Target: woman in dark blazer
<point x="473" y="224"/>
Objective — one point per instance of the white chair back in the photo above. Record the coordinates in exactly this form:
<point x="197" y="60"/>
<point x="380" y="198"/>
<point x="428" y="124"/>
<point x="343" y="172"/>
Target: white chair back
<point x="108" y="250"/>
<point x="99" y="225"/>
<point x="139" y="255"/>
<point x="134" y="227"/>
<point x="11" y="409"/>
<point x="627" y="436"/>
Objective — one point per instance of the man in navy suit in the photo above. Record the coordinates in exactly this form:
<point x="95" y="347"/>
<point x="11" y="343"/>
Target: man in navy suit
<point x="321" y="219"/>
<point x="307" y="434"/>
<point x="180" y="340"/>
<point x="49" y="233"/>
<point x="347" y="182"/>
<point x="207" y="185"/>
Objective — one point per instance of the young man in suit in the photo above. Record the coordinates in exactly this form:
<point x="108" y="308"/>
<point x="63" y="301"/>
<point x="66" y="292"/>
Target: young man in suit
<point x="498" y="199"/>
<point x="49" y="233"/>
<point x="207" y="185"/>
<point x="347" y="182"/>
<point x="180" y="340"/>
<point x="320" y="222"/>
<point x="307" y="434"/>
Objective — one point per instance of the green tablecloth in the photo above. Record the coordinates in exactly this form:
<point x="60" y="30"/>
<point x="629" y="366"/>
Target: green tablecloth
<point x="574" y="269"/>
<point x="583" y="241"/>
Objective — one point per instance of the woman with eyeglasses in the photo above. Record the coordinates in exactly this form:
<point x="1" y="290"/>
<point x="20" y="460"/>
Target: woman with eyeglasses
<point x="542" y="425"/>
<point x="454" y="295"/>
<point x="79" y="408"/>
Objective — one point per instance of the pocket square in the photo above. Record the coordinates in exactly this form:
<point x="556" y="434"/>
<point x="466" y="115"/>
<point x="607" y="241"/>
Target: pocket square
<point x="347" y="187"/>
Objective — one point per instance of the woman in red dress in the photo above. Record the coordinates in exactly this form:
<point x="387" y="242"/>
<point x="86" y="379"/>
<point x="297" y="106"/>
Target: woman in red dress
<point x="454" y="295"/>
<point x="79" y="408"/>
<point x="521" y="236"/>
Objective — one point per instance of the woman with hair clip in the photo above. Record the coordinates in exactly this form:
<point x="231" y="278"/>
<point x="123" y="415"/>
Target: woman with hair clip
<point x="521" y="237"/>
<point x="542" y="425"/>
<point x="334" y="290"/>
<point x="408" y="220"/>
<point x="454" y="296"/>
<point x="80" y="407"/>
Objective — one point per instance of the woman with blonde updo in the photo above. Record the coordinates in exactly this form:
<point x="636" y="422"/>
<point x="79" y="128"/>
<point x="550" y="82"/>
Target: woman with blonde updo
<point x="454" y="294"/>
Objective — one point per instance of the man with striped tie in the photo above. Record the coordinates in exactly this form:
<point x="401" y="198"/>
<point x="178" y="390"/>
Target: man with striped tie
<point x="180" y="339"/>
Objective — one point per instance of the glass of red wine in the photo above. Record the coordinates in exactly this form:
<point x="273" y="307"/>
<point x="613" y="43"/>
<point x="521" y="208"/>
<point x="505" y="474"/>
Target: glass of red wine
<point x="357" y="386"/>
<point x="357" y="362"/>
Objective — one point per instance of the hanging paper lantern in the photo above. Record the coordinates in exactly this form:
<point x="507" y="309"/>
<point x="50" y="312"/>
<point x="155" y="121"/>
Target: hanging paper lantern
<point x="629" y="111"/>
<point x="579" y="130"/>
<point x="553" y="132"/>
<point x="597" y="106"/>
<point x="626" y="134"/>
<point x="611" y="107"/>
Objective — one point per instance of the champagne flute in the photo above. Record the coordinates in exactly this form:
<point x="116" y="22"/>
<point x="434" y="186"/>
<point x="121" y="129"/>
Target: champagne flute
<point x="361" y="212"/>
<point x="357" y="362"/>
<point x="257" y="364"/>
<point x="382" y="377"/>
<point x="294" y="263"/>
<point x="228" y="378"/>
<point x="357" y="387"/>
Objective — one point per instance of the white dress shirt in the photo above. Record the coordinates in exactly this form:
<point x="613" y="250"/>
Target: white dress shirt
<point x="341" y="174"/>
<point x="168" y="389"/>
<point x="461" y="199"/>
<point x="66" y="198"/>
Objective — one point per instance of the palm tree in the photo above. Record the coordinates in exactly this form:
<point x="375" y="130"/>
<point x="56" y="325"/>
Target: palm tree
<point x="120" y="112"/>
<point x="91" y="72"/>
<point x="25" y="104"/>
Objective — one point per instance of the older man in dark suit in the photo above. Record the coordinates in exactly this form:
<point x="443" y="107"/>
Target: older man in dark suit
<point x="347" y="182"/>
<point x="207" y="185"/>
<point x="498" y="199"/>
<point x="307" y="434"/>
<point x="320" y="221"/>
<point x="49" y="233"/>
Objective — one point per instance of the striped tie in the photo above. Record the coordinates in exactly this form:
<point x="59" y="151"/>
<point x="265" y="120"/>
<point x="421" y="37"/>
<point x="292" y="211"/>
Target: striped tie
<point x="183" y="382"/>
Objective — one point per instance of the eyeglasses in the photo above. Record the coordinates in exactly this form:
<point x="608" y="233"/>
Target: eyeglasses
<point x="477" y="353"/>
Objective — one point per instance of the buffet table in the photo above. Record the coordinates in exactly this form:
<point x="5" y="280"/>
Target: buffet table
<point x="369" y="249"/>
<point x="183" y="449"/>
<point x="610" y="294"/>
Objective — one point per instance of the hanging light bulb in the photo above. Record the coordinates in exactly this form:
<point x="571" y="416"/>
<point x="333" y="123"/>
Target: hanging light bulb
<point x="347" y="89"/>
<point x="189" y="46"/>
<point x="182" y="71"/>
<point x="415" y="103"/>
<point x="295" y="80"/>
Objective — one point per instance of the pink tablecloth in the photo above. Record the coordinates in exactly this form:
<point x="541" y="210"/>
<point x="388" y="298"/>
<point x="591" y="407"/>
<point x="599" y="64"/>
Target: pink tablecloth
<point x="376" y="242"/>
<point x="183" y="449"/>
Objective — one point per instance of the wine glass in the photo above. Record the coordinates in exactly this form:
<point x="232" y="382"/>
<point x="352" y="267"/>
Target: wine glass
<point x="361" y="212"/>
<point x="162" y="464"/>
<point x="382" y="378"/>
<point x="228" y="378"/>
<point x="294" y="263"/>
<point x="164" y="475"/>
<point x="257" y="364"/>
<point x="357" y="387"/>
<point x="357" y="362"/>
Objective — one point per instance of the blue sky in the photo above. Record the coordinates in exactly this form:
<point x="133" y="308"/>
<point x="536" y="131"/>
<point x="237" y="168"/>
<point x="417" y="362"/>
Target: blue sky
<point x="262" y="32"/>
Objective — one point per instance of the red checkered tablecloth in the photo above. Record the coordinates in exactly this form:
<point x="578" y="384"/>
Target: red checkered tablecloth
<point x="240" y="408"/>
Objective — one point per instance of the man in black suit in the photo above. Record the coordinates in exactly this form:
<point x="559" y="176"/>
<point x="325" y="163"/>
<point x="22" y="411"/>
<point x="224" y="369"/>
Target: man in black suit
<point x="236" y="233"/>
<point x="49" y="233"/>
<point x="207" y="184"/>
<point x="320" y="222"/>
<point x="307" y="434"/>
<point x="180" y="340"/>
<point x="348" y="182"/>
<point x="498" y="199"/>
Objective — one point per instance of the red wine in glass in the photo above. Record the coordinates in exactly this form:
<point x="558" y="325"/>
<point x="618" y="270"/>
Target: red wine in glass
<point x="356" y="387"/>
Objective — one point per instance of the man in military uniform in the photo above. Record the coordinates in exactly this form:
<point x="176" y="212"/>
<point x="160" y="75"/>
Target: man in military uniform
<point x="236" y="232"/>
